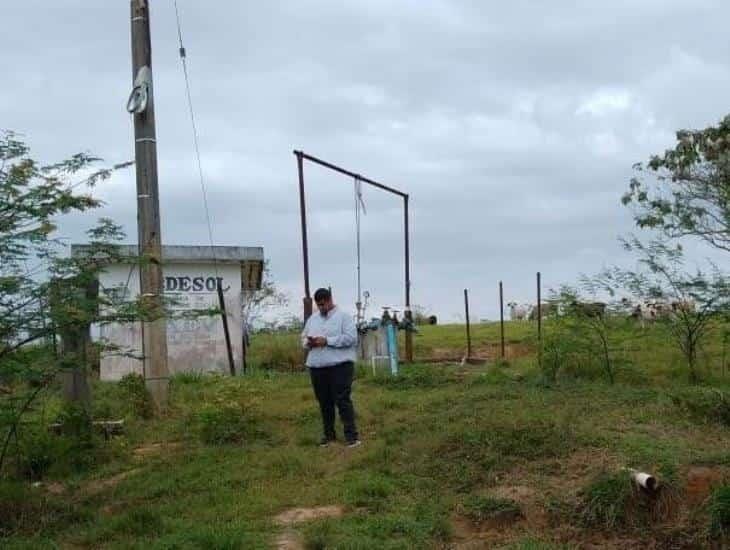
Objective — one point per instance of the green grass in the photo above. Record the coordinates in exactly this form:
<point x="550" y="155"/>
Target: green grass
<point x="647" y="356"/>
<point x="606" y="501"/>
<point x="720" y="513"/>
<point x="440" y="441"/>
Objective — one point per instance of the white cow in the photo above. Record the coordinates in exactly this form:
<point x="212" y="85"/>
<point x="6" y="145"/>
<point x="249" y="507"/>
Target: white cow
<point x="547" y="309"/>
<point x="652" y="311"/>
<point x="518" y="312"/>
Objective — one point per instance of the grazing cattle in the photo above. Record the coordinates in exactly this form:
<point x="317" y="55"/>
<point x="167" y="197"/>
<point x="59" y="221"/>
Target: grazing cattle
<point x="652" y="311"/>
<point x="588" y="309"/>
<point x="662" y="308"/>
<point x="686" y="305"/>
<point x="643" y="312"/>
<point x="655" y="310"/>
<point x="547" y="309"/>
<point x="518" y="312"/>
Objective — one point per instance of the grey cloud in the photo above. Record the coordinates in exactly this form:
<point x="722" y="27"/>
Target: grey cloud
<point x="512" y="126"/>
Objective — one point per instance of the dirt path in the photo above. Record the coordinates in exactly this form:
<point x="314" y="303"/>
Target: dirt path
<point x="290" y="539"/>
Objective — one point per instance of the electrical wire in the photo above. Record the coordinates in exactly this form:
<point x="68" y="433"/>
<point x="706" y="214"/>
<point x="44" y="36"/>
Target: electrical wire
<point x="183" y="59"/>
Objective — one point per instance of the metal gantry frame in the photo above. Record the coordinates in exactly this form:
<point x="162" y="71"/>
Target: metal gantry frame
<point x="301" y="157"/>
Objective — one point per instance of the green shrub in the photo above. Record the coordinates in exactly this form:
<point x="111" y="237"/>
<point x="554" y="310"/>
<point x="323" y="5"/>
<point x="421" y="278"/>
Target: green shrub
<point x="605" y="501"/>
<point x="704" y="404"/>
<point x="72" y="450"/>
<point x="18" y="506"/>
<point x="567" y="355"/>
<point x="26" y="510"/>
<point x="221" y="424"/>
<point x="369" y="491"/>
<point x="134" y="392"/>
<point x="552" y="359"/>
<point x="720" y="512"/>
<point x="277" y="352"/>
<point x="39" y="450"/>
<point x="187" y="378"/>
<point x="232" y="417"/>
<point x="75" y="420"/>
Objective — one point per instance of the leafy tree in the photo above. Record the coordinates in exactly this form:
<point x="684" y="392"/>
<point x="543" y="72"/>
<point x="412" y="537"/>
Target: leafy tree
<point x="686" y="190"/>
<point x="256" y="302"/>
<point x="592" y="326"/>
<point x="687" y="301"/>
<point x="41" y="292"/>
<point x="584" y="331"/>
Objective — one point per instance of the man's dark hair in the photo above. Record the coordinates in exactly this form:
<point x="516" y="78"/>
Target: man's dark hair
<point x="322" y="294"/>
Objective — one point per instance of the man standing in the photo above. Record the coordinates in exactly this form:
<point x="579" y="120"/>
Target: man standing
<point x="331" y="338"/>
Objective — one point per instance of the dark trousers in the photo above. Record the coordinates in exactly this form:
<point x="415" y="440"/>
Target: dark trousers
<point x="332" y="386"/>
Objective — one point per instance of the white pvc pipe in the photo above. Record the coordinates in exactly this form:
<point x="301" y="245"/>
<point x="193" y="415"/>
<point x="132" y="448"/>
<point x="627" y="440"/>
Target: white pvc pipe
<point x="644" y="480"/>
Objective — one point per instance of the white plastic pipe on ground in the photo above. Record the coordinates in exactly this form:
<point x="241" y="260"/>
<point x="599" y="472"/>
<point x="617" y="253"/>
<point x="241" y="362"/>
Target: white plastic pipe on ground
<point x="644" y="480"/>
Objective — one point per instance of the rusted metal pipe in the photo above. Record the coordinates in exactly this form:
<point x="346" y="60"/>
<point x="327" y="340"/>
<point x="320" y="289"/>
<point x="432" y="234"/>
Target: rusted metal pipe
<point x="307" y="302"/>
<point x="305" y="250"/>
<point x="226" y="333"/>
<point x="348" y="173"/>
<point x="539" y="322"/>
<point x="408" y="314"/>
<point x="468" y="328"/>
<point x="501" y="317"/>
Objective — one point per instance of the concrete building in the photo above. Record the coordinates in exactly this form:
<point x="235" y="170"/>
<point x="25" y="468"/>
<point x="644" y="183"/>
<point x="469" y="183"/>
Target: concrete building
<point x="191" y="275"/>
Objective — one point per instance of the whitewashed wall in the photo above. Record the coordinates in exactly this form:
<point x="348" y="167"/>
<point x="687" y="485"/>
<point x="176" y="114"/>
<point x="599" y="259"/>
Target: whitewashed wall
<point x="193" y="345"/>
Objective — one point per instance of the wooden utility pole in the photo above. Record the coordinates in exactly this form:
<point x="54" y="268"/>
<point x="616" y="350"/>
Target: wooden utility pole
<point x="154" y="327"/>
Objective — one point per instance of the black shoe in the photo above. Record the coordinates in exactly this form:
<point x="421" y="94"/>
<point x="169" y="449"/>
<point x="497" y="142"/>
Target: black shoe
<point x="326" y="441"/>
<point x="354" y="443"/>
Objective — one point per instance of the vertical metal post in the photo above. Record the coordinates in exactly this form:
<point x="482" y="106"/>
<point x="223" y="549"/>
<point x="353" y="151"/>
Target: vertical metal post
<point x="227" y="334"/>
<point x="539" y="322"/>
<point x="244" y="361"/>
<point x="408" y="314"/>
<point x="468" y="327"/>
<point x="154" y="324"/>
<point x="305" y="246"/>
<point x="501" y="316"/>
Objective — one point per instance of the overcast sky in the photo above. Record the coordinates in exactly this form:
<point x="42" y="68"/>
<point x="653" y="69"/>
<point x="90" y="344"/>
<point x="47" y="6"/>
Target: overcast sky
<point x="512" y="125"/>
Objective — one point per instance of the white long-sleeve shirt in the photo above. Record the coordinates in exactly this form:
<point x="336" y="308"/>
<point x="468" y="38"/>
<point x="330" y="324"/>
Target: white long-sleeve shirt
<point x="340" y="331"/>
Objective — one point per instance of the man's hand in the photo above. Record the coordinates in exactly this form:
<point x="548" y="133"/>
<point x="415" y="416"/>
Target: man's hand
<point x="317" y="342"/>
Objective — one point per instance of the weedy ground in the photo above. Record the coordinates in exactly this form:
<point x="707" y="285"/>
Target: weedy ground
<point x="493" y="456"/>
